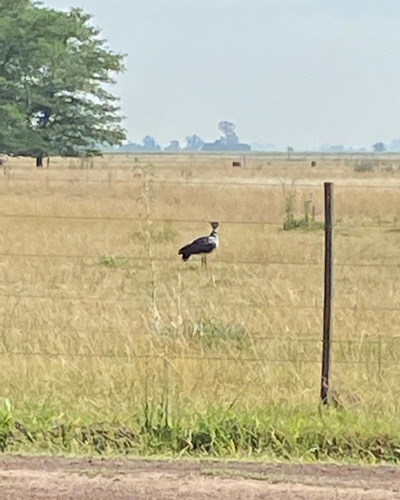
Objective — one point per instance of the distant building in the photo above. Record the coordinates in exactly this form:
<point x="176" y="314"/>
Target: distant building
<point x="149" y="146"/>
<point x="173" y="147"/>
<point x="336" y="148"/>
<point x="229" y="140"/>
<point x="264" y="147"/>
<point x="220" y="146"/>
<point x="194" y="143"/>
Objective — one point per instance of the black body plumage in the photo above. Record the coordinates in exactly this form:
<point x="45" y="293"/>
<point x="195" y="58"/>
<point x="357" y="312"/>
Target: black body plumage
<point x="203" y="246"/>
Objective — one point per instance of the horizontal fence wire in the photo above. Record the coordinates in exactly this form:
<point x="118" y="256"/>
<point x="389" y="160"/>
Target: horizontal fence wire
<point x="254" y="305"/>
<point x="214" y="262"/>
<point x="134" y="219"/>
<point x="379" y="342"/>
<point x="256" y="184"/>
<point x="185" y="357"/>
<point x="187" y="183"/>
<point x="151" y="220"/>
<point x="276" y="336"/>
<point x="379" y="224"/>
<point x="52" y="354"/>
<point x="122" y="298"/>
<point x="157" y="259"/>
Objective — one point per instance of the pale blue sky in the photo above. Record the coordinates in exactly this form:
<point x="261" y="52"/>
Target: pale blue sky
<point x="289" y="72"/>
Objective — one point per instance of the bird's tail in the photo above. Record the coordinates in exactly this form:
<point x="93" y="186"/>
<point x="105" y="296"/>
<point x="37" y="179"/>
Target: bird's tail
<point x="185" y="252"/>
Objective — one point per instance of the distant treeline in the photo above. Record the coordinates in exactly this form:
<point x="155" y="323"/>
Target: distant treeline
<point x="228" y="141"/>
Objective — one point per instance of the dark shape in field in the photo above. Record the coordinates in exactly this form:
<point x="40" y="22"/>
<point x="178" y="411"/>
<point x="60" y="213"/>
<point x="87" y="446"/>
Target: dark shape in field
<point x="202" y="246"/>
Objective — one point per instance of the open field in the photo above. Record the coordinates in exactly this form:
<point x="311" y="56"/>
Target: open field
<point x="57" y="479"/>
<point x="109" y="343"/>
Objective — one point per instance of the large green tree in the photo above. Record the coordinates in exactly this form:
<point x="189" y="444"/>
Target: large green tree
<point x="55" y="72"/>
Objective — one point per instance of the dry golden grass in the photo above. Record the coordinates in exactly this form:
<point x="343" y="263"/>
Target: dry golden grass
<point x="89" y="274"/>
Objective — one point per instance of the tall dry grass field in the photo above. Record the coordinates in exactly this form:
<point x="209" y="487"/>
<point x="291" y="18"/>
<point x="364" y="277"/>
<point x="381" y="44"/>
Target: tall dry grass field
<point x="100" y="320"/>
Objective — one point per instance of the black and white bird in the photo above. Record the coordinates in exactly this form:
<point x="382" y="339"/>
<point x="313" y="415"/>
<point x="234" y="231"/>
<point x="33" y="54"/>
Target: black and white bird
<point x="202" y="246"/>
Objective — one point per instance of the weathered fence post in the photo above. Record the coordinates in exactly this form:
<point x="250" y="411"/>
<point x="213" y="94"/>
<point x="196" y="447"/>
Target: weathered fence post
<point x="328" y="293"/>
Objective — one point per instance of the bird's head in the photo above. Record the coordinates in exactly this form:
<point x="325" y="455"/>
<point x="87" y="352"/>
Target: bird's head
<point x="214" y="225"/>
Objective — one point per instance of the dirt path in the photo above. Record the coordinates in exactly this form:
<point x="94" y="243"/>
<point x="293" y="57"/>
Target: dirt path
<point x="56" y="478"/>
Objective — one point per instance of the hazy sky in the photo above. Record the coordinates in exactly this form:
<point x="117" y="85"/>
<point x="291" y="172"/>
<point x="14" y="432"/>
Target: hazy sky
<point x="289" y="72"/>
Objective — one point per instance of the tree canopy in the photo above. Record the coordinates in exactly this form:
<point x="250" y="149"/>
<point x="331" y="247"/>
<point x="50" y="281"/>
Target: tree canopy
<point x="55" y="72"/>
<point x="379" y="147"/>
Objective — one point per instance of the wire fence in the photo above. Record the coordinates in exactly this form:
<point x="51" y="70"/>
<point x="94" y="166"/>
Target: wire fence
<point x="220" y="261"/>
<point x="367" y="354"/>
<point x="168" y="220"/>
<point x="376" y="349"/>
<point x="252" y="305"/>
<point x="233" y="261"/>
<point x="172" y="357"/>
<point x="243" y="182"/>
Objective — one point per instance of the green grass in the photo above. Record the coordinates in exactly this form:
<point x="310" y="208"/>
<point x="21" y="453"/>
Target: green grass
<point x="278" y="432"/>
<point x="166" y="234"/>
<point x="210" y="334"/>
<point x="112" y="262"/>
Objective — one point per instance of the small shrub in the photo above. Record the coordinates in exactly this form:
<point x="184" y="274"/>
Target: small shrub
<point x="290" y="205"/>
<point x="213" y="333"/>
<point x="308" y="222"/>
<point x="363" y="166"/>
<point x="112" y="262"/>
<point x="167" y="234"/>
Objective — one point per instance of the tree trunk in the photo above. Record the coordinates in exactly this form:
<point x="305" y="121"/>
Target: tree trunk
<point x="39" y="161"/>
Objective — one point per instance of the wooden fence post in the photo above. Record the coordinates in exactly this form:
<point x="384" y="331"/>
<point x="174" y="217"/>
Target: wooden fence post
<point x="328" y="293"/>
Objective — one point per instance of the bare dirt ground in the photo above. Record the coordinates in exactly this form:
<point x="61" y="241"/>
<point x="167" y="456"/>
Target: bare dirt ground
<point x="122" y="479"/>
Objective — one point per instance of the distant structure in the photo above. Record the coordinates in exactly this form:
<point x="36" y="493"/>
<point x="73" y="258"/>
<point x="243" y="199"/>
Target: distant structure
<point x="173" y="147"/>
<point x="335" y="148"/>
<point x="149" y="146"/>
<point x="194" y="143"/>
<point x="379" y="147"/>
<point x="229" y="141"/>
<point x="264" y="147"/>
